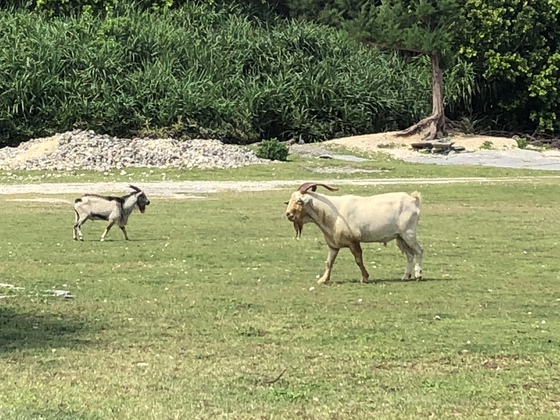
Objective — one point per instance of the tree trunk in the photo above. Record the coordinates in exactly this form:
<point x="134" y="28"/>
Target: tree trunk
<point x="434" y="125"/>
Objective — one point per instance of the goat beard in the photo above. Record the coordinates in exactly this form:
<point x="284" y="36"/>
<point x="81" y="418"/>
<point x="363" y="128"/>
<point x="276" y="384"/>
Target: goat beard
<point x="298" y="226"/>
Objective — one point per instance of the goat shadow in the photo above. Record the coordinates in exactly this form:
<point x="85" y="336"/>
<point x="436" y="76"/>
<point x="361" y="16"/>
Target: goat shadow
<point x="374" y="281"/>
<point x="124" y="241"/>
<point x="28" y="330"/>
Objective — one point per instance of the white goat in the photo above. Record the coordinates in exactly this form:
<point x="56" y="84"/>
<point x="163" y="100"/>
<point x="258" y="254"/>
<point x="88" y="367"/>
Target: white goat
<point x="348" y="220"/>
<point x="112" y="209"/>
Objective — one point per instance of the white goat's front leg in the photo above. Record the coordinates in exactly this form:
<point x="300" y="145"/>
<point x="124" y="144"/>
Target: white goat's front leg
<point x="109" y="226"/>
<point x="356" y="250"/>
<point x="124" y="232"/>
<point x="330" y="262"/>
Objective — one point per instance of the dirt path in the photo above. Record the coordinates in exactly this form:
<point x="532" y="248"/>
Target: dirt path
<point x="180" y="189"/>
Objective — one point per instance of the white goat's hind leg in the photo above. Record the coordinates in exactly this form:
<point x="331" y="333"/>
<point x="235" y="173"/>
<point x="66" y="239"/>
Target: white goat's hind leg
<point x="330" y="262"/>
<point x="124" y="232"/>
<point x="109" y="226"/>
<point x="409" y="258"/>
<point x="419" y="257"/>
<point x="356" y="250"/>
<point x="418" y="251"/>
<point x="78" y="227"/>
<point x="74" y="233"/>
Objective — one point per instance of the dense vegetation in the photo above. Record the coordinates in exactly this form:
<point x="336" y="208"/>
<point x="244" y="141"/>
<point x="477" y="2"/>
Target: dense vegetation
<point x="243" y="73"/>
<point x="512" y="46"/>
<point x="198" y="72"/>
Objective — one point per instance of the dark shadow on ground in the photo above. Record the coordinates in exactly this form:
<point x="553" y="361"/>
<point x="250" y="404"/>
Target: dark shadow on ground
<point x="373" y="282"/>
<point x="25" y="330"/>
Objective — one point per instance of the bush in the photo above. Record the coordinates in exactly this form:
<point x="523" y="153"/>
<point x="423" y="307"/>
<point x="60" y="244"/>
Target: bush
<point x="273" y="150"/>
<point x="199" y="72"/>
<point x="521" y="142"/>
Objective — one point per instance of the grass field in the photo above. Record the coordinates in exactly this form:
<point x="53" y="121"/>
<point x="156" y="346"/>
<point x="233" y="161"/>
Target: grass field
<point x="380" y="166"/>
<point x="212" y="300"/>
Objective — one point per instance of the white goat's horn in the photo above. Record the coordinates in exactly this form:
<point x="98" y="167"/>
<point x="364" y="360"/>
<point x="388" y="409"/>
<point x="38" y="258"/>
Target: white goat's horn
<point x="313" y="186"/>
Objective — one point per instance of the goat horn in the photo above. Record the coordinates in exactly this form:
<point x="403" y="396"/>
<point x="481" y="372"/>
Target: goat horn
<point x="134" y="188"/>
<point x="306" y="186"/>
<point x="313" y="186"/>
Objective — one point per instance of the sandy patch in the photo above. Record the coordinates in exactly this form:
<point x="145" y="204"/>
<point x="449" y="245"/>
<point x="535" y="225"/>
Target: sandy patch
<point x="44" y="148"/>
<point x="401" y="146"/>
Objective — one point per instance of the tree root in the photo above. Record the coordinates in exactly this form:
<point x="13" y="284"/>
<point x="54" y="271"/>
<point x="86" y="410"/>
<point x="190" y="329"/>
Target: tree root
<point x="430" y="123"/>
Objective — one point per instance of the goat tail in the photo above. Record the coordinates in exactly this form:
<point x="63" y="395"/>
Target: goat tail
<point x="77" y="200"/>
<point x="417" y="197"/>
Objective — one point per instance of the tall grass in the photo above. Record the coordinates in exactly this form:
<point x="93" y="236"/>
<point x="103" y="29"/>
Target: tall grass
<point x="198" y="71"/>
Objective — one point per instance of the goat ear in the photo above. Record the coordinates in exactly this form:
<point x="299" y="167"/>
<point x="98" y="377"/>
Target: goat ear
<point x="136" y="189"/>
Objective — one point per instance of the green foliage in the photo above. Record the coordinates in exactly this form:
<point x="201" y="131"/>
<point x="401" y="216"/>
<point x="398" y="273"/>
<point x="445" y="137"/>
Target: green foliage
<point x="272" y="150"/>
<point x="198" y="72"/>
<point x="415" y="25"/>
<point x="328" y="12"/>
<point x="521" y="142"/>
<point x="515" y="49"/>
<point x="69" y="7"/>
<point x="487" y="145"/>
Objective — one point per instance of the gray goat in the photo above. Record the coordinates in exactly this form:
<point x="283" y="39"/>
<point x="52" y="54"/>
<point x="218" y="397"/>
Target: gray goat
<point x="112" y="209"/>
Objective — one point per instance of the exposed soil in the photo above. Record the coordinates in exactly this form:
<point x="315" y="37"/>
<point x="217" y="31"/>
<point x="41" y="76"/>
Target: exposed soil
<point x="400" y="147"/>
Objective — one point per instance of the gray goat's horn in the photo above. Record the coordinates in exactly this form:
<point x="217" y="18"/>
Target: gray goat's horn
<point x="313" y="186"/>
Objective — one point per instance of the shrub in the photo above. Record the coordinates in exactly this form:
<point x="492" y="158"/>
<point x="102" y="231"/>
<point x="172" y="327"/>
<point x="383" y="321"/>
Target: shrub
<point x="273" y="150"/>
<point x="521" y="142"/>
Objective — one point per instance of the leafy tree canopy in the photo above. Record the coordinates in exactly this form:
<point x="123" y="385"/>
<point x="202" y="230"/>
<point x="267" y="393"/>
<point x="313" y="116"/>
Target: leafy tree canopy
<point x="515" y="47"/>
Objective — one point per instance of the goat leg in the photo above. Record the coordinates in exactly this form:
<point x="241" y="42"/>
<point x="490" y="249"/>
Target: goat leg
<point x="330" y="262"/>
<point x="124" y="232"/>
<point x="109" y="226"/>
<point x="356" y="250"/>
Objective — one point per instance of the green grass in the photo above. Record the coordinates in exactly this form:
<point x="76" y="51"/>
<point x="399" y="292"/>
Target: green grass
<point x="379" y="166"/>
<point x="213" y="297"/>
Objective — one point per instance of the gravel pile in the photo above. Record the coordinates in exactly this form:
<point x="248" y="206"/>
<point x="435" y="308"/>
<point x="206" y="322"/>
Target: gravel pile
<point x="85" y="150"/>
